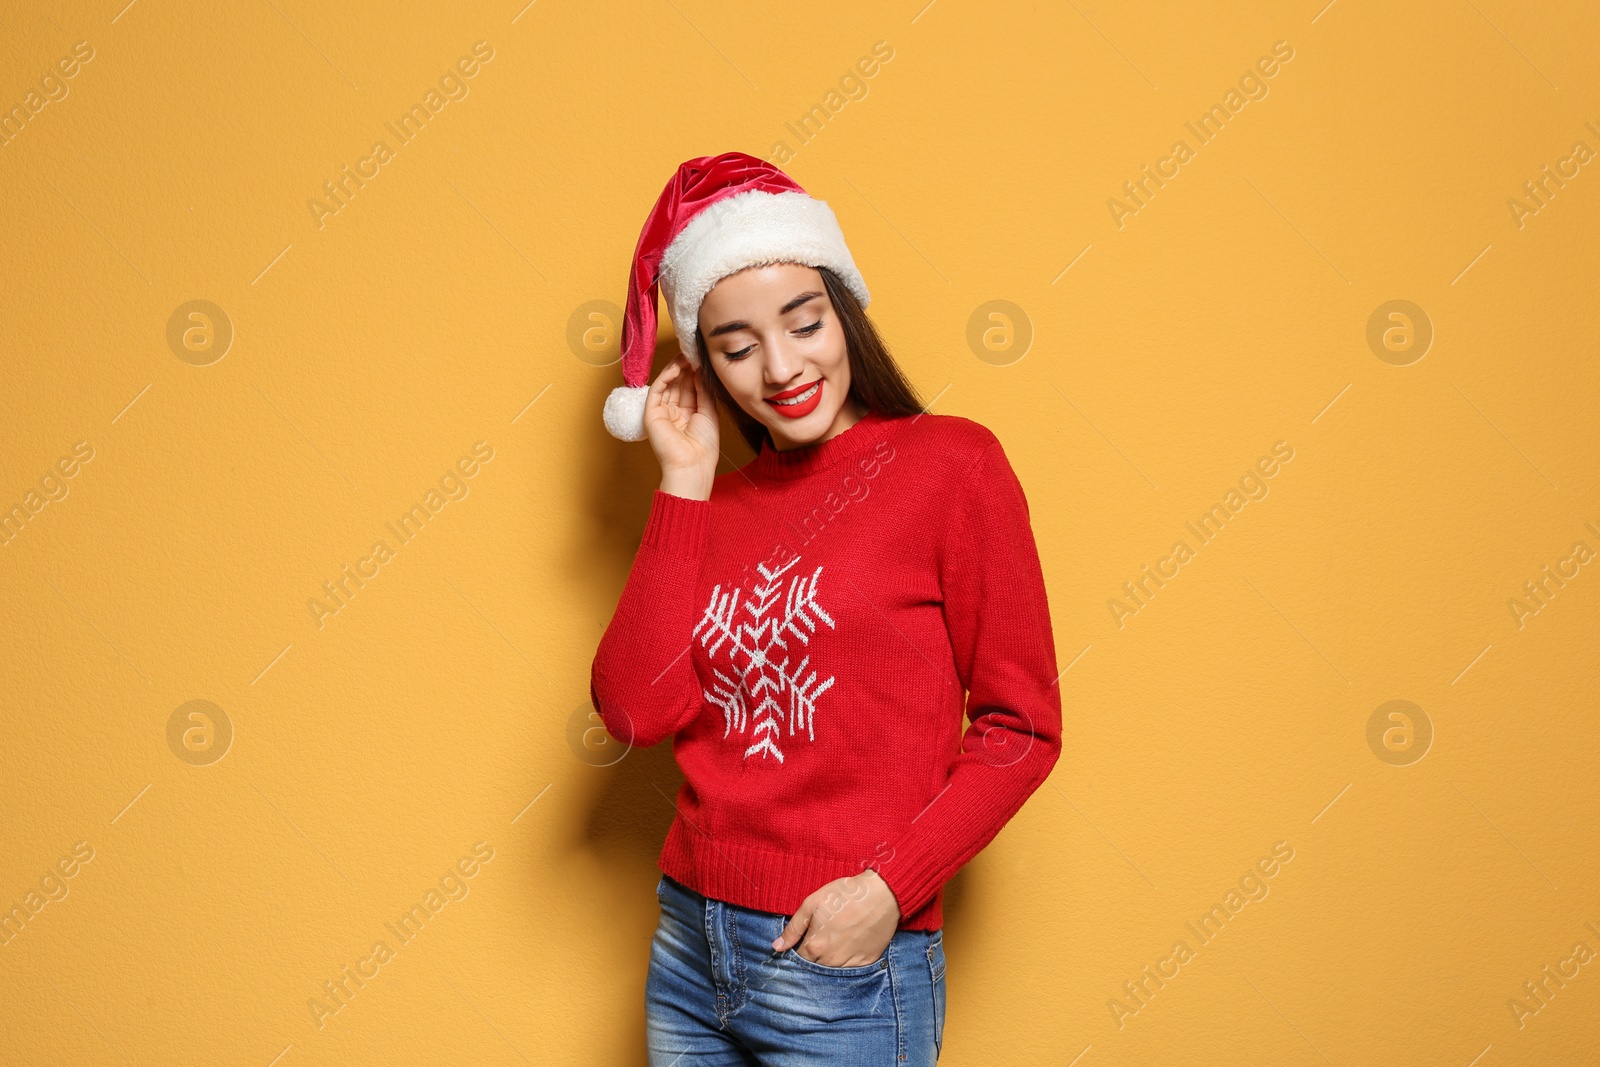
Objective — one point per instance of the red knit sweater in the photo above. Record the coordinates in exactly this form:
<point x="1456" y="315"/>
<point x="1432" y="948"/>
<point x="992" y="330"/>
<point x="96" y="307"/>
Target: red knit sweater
<point x="810" y="634"/>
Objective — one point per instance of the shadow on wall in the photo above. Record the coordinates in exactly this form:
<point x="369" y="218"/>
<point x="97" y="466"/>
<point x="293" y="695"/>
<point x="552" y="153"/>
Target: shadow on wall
<point x="624" y="477"/>
<point x="635" y="790"/>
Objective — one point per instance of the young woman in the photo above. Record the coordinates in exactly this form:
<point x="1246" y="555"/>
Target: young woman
<point x="807" y="627"/>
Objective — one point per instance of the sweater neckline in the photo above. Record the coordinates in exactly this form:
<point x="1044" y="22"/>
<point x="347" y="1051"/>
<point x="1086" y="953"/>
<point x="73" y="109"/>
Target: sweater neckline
<point x="808" y="459"/>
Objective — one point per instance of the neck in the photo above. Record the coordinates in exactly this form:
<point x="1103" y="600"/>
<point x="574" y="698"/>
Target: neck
<point x="850" y="413"/>
<point x="777" y="464"/>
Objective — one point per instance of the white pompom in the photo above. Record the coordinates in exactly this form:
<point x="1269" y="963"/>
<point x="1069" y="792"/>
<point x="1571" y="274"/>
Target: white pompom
<point x="624" y="412"/>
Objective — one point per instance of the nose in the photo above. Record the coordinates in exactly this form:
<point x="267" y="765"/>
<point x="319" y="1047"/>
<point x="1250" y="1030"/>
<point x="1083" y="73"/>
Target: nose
<point x="782" y="363"/>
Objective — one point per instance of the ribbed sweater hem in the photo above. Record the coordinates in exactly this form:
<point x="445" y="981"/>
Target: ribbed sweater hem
<point x="765" y="879"/>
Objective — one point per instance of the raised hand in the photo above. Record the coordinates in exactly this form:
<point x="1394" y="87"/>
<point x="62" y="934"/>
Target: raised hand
<point x="680" y="419"/>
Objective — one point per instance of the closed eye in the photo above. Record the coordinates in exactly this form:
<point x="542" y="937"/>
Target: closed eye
<point x="804" y="331"/>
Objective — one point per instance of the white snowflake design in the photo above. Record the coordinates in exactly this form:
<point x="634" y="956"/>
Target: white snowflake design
<point x="763" y="687"/>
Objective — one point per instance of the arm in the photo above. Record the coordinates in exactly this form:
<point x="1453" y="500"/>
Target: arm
<point x="999" y="623"/>
<point x="643" y="683"/>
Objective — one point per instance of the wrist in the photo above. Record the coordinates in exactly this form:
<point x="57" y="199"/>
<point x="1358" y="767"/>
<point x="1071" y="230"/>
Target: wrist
<point x="888" y="890"/>
<point x="691" y="484"/>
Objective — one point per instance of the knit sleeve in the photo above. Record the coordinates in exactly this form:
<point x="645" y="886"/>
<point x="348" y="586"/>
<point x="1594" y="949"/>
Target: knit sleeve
<point x="642" y="682"/>
<point x="999" y="624"/>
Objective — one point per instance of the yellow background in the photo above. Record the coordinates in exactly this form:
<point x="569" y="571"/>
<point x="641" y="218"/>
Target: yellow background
<point x="443" y="705"/>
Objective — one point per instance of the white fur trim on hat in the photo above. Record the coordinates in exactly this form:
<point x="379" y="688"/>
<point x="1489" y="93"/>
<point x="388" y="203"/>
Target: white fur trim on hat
<point x="624" y="412"/>
<point x="748" y="229"/>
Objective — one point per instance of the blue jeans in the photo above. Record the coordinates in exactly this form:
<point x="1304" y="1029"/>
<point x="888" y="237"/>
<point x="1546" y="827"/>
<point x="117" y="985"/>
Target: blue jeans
<point x="717" y="994"/>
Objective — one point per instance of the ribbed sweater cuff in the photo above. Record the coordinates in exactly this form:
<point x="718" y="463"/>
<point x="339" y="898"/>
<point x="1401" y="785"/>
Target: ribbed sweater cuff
<point x="677" y="525"/>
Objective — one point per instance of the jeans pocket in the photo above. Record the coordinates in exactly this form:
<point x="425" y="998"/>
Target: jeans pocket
<point x="936" y="968"/>
<point x="877" y="966"/>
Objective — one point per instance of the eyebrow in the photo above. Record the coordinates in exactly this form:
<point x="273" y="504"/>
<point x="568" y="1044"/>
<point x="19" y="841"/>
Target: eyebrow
<point x="740" y="324"/>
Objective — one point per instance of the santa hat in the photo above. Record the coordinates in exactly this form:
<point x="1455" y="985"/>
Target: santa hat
<point x="718" y="215"/>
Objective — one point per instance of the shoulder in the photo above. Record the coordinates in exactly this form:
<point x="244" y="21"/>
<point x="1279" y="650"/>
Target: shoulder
<point x="961" y="443"/>
<point x="974" y="466"/>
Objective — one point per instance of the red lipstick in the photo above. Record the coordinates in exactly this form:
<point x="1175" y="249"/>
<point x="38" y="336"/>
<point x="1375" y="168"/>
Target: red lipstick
<point x="804" y="407"/>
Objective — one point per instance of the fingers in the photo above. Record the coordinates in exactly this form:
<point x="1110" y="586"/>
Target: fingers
<point x="795" y="929"/>
<point x="688" y="382"/>
<point x="704" y="399"/>
<point x="669" y="386"/>
<point x="683" y="386"/>
<point x="654" y="398"/>
<point x="663" y="394"/>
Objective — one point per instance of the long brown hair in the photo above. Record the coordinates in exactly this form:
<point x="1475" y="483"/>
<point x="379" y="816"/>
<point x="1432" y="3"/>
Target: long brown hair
<point x="875" y="378"/>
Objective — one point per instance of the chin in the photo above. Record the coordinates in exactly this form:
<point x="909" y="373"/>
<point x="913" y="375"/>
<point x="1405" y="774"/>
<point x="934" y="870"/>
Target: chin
<point x="803" y="431"/>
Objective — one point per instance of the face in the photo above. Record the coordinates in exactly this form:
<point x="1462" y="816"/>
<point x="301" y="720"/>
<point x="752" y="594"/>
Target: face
<point x="777" y="346"/>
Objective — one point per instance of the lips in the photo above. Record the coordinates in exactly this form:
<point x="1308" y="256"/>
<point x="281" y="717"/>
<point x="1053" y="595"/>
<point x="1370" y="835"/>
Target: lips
<point x="795" y="409"/>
